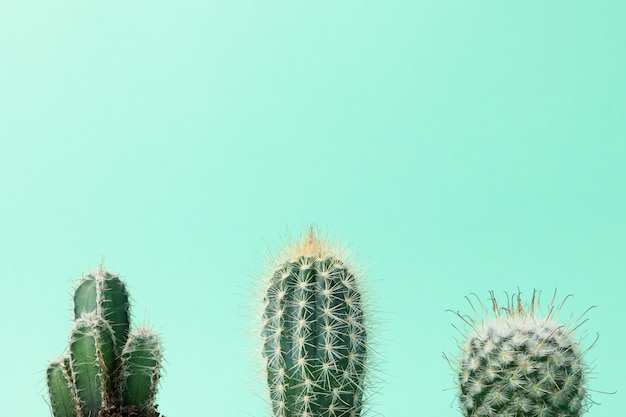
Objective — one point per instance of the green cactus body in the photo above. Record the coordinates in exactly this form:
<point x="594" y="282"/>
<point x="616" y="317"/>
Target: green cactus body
<point x="92" y="378"/>
<point x="86" y="296"/>
<point x="520" y="365"/>
<point x="105" y="294"/>
<point x="315" y="343"/>
<point x="63" y="401"/>
<point x="92" y="359"/>
<point x="141" y="367"/>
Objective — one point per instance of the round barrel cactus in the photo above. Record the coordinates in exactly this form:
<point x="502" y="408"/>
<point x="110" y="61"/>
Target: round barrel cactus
<point x="315" y="340"/>
<point x="517" y="364"/>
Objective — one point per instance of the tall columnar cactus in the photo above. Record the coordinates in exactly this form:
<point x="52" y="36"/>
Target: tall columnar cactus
<point x="315" y="340"/>
<point x="517" y="364"/>
<point x="108" y="367"/>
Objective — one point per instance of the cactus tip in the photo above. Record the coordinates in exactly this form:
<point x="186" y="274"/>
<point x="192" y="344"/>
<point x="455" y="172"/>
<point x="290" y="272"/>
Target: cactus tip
<point x="311" y="246"/>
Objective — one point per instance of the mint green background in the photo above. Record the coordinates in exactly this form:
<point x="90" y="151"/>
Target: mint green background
<point x="458" y="146"/>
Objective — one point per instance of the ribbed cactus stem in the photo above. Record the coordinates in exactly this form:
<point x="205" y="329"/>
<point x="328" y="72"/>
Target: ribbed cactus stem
<point x="105" y="294"/>
<point x="315" y="340"/>
<point x="517" y="364"/>
<point x="141" y="368"/>
<point x="92" y="360"/>
<point x="63" y="401"/>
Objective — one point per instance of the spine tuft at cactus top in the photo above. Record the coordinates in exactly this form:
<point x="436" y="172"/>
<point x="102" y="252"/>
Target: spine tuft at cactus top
<point x="517" y="364"/>
<point x="315" y="340"/>
<point x="108" y="366"/>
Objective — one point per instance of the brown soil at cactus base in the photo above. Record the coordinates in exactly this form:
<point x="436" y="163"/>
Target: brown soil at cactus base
<point x="127" y="411"/>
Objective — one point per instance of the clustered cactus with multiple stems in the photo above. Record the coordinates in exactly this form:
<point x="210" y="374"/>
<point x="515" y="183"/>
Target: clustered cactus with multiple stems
<point x="108" y="364"/>
<point x="520" y="365"/>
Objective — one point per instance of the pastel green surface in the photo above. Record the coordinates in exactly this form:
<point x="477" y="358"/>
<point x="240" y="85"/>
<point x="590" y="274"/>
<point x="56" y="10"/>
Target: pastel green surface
<point x="456" y="146"/>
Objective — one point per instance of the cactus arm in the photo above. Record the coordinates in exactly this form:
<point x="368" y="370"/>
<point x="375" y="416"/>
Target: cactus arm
<point x="115" y="308"/>
<point x="63" y="401"/>
<point x="92" y="360"/>
<point x="141" y="366"/>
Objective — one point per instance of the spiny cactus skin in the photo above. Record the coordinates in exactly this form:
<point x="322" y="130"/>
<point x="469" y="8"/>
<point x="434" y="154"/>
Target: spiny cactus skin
<point x="91" y="378"/>
<point x="141" y="367"/>
<point x="64" y="401"/>
<point x="315" y="341"/>
<point x="105" y="294"/>
<point x="519" y="365"/>
<point x="92" y="362"/>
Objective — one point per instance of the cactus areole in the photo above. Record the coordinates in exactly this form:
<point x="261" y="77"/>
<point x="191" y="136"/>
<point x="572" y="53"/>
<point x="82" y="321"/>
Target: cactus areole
<point x="520" y="365"/>
<point x="315" y="343"/>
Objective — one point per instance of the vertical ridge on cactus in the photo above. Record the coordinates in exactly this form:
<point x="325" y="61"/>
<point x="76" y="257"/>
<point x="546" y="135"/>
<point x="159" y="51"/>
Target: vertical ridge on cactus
<point x="519" y="364"/>
<point x="315" y="340"/>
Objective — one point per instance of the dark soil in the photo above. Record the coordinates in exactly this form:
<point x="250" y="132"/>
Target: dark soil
<point x="127" y="411"/>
